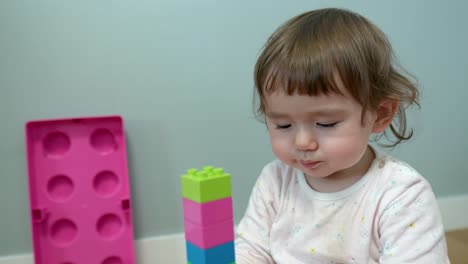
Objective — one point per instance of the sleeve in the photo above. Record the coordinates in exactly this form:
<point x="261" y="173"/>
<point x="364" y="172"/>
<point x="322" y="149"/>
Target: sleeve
<point x="411" y="229"/>
<point x="253" y="232"/>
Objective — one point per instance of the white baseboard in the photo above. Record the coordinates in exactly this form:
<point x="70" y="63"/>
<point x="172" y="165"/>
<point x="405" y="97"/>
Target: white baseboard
<point x="160" y="249"/>
<point x="171" y="248"/>
<point x="454" y="211"/>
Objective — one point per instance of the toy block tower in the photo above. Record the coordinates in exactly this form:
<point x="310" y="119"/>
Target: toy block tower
<point x="208" y="216"/>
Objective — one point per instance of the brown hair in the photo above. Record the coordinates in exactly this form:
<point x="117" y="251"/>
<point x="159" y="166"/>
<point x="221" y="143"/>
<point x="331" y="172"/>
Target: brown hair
<point x="304" y="54"/>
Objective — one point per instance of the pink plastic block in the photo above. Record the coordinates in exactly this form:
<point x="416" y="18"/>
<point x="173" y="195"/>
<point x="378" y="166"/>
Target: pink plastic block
<point x="79" y="191"/>
<point x="208" y="213"/>
<point x="209" y="236"/>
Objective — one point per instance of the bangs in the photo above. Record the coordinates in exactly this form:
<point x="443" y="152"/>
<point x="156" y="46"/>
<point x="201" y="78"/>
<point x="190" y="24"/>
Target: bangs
<point x="311" y="67"/>
<point x="303" y="77"/>
<point x="321" y="73"/>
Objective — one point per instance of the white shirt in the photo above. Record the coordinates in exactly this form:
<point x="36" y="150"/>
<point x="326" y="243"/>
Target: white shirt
<point x="389" y="216"/>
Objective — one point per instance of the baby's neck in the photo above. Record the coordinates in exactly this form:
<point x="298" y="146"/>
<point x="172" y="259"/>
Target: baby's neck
<point x="343" y="179"/>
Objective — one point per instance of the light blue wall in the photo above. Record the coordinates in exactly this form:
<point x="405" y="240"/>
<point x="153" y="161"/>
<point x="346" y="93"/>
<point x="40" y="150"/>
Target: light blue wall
<point x="161" y="64"/>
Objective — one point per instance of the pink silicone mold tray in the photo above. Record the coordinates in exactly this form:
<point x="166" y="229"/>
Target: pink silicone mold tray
<point x="79" y="191"/>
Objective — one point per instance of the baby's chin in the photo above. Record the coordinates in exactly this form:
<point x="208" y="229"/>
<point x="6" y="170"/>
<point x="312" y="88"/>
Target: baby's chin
<point x="317" y="171"/>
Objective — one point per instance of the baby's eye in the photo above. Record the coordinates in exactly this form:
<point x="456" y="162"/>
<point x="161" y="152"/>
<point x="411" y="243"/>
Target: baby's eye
<point x="327" y="124"/>
<point x="283" y="126"/>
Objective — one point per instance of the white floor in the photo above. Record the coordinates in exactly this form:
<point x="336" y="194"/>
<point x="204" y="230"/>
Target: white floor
<point x="171" y="248"/>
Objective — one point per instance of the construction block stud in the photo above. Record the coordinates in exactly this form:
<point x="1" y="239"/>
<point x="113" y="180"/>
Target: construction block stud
<point x="206" y="185"/>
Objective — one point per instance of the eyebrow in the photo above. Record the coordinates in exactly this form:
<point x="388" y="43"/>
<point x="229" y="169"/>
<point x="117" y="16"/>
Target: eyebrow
<point x="326" y="113"/>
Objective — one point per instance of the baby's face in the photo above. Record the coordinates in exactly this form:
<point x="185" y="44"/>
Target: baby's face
<point x="320" y="135"/>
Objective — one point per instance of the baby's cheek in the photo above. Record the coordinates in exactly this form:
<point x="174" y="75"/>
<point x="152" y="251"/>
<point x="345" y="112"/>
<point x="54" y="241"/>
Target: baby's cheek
<point x="282" y="151"/>
<point x="346" y="150"/>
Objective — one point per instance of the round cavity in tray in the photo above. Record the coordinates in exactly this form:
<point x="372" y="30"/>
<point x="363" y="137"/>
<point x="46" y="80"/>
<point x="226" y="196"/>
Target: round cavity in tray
<point x="106" y="183"/>
<point x="103" y="141"/>
<point x="112" y="260"/>
<point x="56" y="144"/>
<point x="63" y="232"/>
<point x="109" y="226"/>
<point x="60" y="188"/>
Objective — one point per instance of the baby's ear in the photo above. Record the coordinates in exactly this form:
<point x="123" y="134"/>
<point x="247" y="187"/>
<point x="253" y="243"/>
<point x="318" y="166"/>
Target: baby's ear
<point x="386" y="110"/>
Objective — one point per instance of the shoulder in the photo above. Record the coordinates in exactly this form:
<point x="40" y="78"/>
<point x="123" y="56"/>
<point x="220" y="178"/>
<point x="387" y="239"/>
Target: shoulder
<point x="400" y="185"/>
<point x="395" y="173"/>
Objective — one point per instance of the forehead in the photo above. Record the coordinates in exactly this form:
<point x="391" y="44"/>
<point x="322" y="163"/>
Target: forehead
<point x="279" y="104"/>
<point x="280" y="99"/>
<point x="328" y="87"/>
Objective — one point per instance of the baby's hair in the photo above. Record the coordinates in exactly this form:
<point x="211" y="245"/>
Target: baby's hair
<point x="305" y="54"/>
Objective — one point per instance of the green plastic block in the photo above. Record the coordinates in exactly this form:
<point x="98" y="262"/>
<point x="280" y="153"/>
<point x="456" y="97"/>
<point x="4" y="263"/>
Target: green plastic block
<point x="206" y="185"/>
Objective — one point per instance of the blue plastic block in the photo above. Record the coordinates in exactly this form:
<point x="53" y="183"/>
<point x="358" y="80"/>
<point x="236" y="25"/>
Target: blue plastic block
<point x="222" y="254"/>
